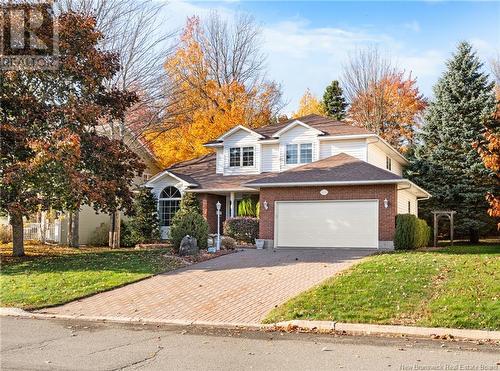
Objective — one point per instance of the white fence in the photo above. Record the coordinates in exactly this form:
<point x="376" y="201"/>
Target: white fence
<point x="45" y="232"/>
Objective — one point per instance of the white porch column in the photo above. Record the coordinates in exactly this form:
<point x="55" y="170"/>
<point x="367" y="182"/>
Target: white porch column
<point x="231" y="203"/>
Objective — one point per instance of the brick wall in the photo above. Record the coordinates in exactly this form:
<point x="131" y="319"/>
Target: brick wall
<point x="208" y="209"/>
<point x="380" y="192"/>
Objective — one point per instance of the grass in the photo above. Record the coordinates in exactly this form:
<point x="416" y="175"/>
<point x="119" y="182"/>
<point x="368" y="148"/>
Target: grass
<point x="455" y="287"/>
<point x="50" y="276"/>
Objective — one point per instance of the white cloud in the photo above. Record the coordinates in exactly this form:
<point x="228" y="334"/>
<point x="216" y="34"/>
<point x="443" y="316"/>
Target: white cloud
<point x="413" y="26"/>
<point x="302" y="56"/>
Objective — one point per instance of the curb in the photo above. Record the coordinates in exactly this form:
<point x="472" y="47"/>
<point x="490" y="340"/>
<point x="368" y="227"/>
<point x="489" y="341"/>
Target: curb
<point x="369" y="329"/>
<point x="17" y="312"/>
<point x="289" y="326"/>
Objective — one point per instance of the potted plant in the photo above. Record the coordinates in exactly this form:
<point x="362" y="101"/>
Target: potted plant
<point x="259" y="244"/>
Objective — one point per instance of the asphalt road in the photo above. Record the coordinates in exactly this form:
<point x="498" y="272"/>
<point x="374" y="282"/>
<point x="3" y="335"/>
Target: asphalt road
<point x="29" y="344"/>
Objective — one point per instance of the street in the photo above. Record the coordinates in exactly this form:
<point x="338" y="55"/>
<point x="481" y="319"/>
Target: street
<point x="34" y="344"/>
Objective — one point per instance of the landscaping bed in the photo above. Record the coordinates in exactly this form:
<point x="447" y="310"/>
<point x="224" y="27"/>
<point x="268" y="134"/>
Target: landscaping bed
<point x="53" y="275"/>
<point x="450" y="287"/>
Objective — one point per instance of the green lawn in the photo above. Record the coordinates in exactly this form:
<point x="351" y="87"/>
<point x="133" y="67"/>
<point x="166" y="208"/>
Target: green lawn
<point x="452" y="287"/>
<point x="56" y="275"/>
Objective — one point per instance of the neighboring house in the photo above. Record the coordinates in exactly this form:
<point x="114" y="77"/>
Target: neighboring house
<point x="56" y="230"/>
<point x="320" y="182"/>
<point x="89" y="220"/>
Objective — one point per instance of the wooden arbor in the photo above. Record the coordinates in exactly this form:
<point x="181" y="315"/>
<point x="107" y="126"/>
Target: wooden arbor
<point x="438" y="215"/>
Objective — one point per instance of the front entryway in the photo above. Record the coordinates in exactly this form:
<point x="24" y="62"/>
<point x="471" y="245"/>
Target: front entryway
<point x="346" y="224"/>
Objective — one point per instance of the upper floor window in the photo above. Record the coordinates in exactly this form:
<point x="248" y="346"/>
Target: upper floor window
<point x="306" y="153"/>
<point x="388" y="163"/>
<point x="241" y="156"/>
<point x="298" y="153"/>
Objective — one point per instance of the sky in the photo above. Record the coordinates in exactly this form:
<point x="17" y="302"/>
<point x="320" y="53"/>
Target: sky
<point x="307" y="43"/>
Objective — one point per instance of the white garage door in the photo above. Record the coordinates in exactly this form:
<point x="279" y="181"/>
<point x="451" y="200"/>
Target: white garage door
<point x="326" y="223"/>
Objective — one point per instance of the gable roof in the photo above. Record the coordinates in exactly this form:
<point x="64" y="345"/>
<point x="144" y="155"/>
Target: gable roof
<point x="200" y="173"/>
<point x="341" y="168"/>
<point x="292" y="125"/>
<point x="235" y="129"/>
<point x="326" y="125"/>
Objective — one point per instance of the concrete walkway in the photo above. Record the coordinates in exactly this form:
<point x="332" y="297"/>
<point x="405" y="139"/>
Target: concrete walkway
<point x="237" y="288"/>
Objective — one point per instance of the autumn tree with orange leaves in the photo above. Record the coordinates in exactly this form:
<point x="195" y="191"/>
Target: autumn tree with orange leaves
<point x="390" y="108"/>
<point x="218" y="79"/>
<point x="489" y="150"/>
<point x="382" y="98"/>
<point x="309" y="104"/>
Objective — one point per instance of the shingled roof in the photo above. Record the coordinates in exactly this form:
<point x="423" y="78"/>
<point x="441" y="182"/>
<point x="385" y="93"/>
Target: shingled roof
<point x="201" y="172"/>
<point x="335" y="169"/>
<point x="326" y="125"/>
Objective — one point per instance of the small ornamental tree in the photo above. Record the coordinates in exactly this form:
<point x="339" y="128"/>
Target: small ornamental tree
<point x="334" y="101"/>
<point x="144" y="224"/>
<point x="190" y="202"/>
<point x="188" y="221"/>
<point x="52" y="153"/>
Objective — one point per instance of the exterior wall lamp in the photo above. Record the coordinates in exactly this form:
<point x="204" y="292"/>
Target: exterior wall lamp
<point x="266" y="205"/>
<point x="386" y="203"/>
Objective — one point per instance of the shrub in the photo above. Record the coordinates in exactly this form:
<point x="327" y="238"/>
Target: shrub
<point x="423" y="234"/>
<point x="127" y="236"/>
<point x="188" y="223"/>
<point x="242" y="228"/>
<point x="5" y="234"/>
<point x="228" y="243"/>
<point x="100" y="236"/>
<point x="411" y="232"/>
<point x="144" y="224"/>
<point x="190" y="202"/>
<point x="406" y="225"/>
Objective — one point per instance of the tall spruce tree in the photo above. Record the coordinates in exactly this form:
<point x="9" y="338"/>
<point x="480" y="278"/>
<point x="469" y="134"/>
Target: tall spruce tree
<point x="445" y="163"/>
<point x="334" y="101"/>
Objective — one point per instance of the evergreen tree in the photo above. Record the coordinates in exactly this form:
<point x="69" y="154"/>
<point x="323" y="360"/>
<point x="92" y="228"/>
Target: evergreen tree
<point x="334" y="101"/>
<point x="144" y="223"/>
<point x="190" y="202"/>
<point x="445" y="163"/>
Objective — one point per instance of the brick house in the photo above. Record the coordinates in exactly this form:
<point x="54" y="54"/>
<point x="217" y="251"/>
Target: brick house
<point x="320" y="183"/>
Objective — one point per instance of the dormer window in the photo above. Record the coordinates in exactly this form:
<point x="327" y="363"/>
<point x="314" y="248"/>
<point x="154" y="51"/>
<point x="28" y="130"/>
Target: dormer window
<point x="241" y="156"/>
<point x="298" y="153"/>
<point x="388" y="163"/>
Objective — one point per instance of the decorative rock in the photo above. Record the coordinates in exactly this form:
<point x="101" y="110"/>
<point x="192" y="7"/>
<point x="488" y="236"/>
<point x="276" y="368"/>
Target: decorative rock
<point x="189" y="246"/>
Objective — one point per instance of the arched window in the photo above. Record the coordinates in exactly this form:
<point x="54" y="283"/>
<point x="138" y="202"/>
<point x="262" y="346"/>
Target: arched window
<point x="168" y="204"/>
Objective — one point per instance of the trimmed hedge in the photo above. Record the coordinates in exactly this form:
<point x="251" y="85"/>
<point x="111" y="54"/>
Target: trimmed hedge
<point x="411" y="232"/>
<point x="242" y="228"/>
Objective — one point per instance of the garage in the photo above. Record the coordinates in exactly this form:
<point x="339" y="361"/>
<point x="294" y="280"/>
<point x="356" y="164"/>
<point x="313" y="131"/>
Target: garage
<point x="341" y="224"/>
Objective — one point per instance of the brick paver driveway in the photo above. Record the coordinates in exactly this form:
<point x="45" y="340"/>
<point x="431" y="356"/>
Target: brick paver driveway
<point x="237" y="288"/>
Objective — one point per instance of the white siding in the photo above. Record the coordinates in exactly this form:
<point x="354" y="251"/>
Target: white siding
<point x="403" y="198"/>
<point x="219" y="160"/>
<point x="165" y="181"/>
<point x="397" y="168"/>
<point x="270" y="158"/>
<point x="355" y="148"/>
<point x="376" y="156"/>
<point x="297" y="135"/>
<point x="241" y="138"/>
